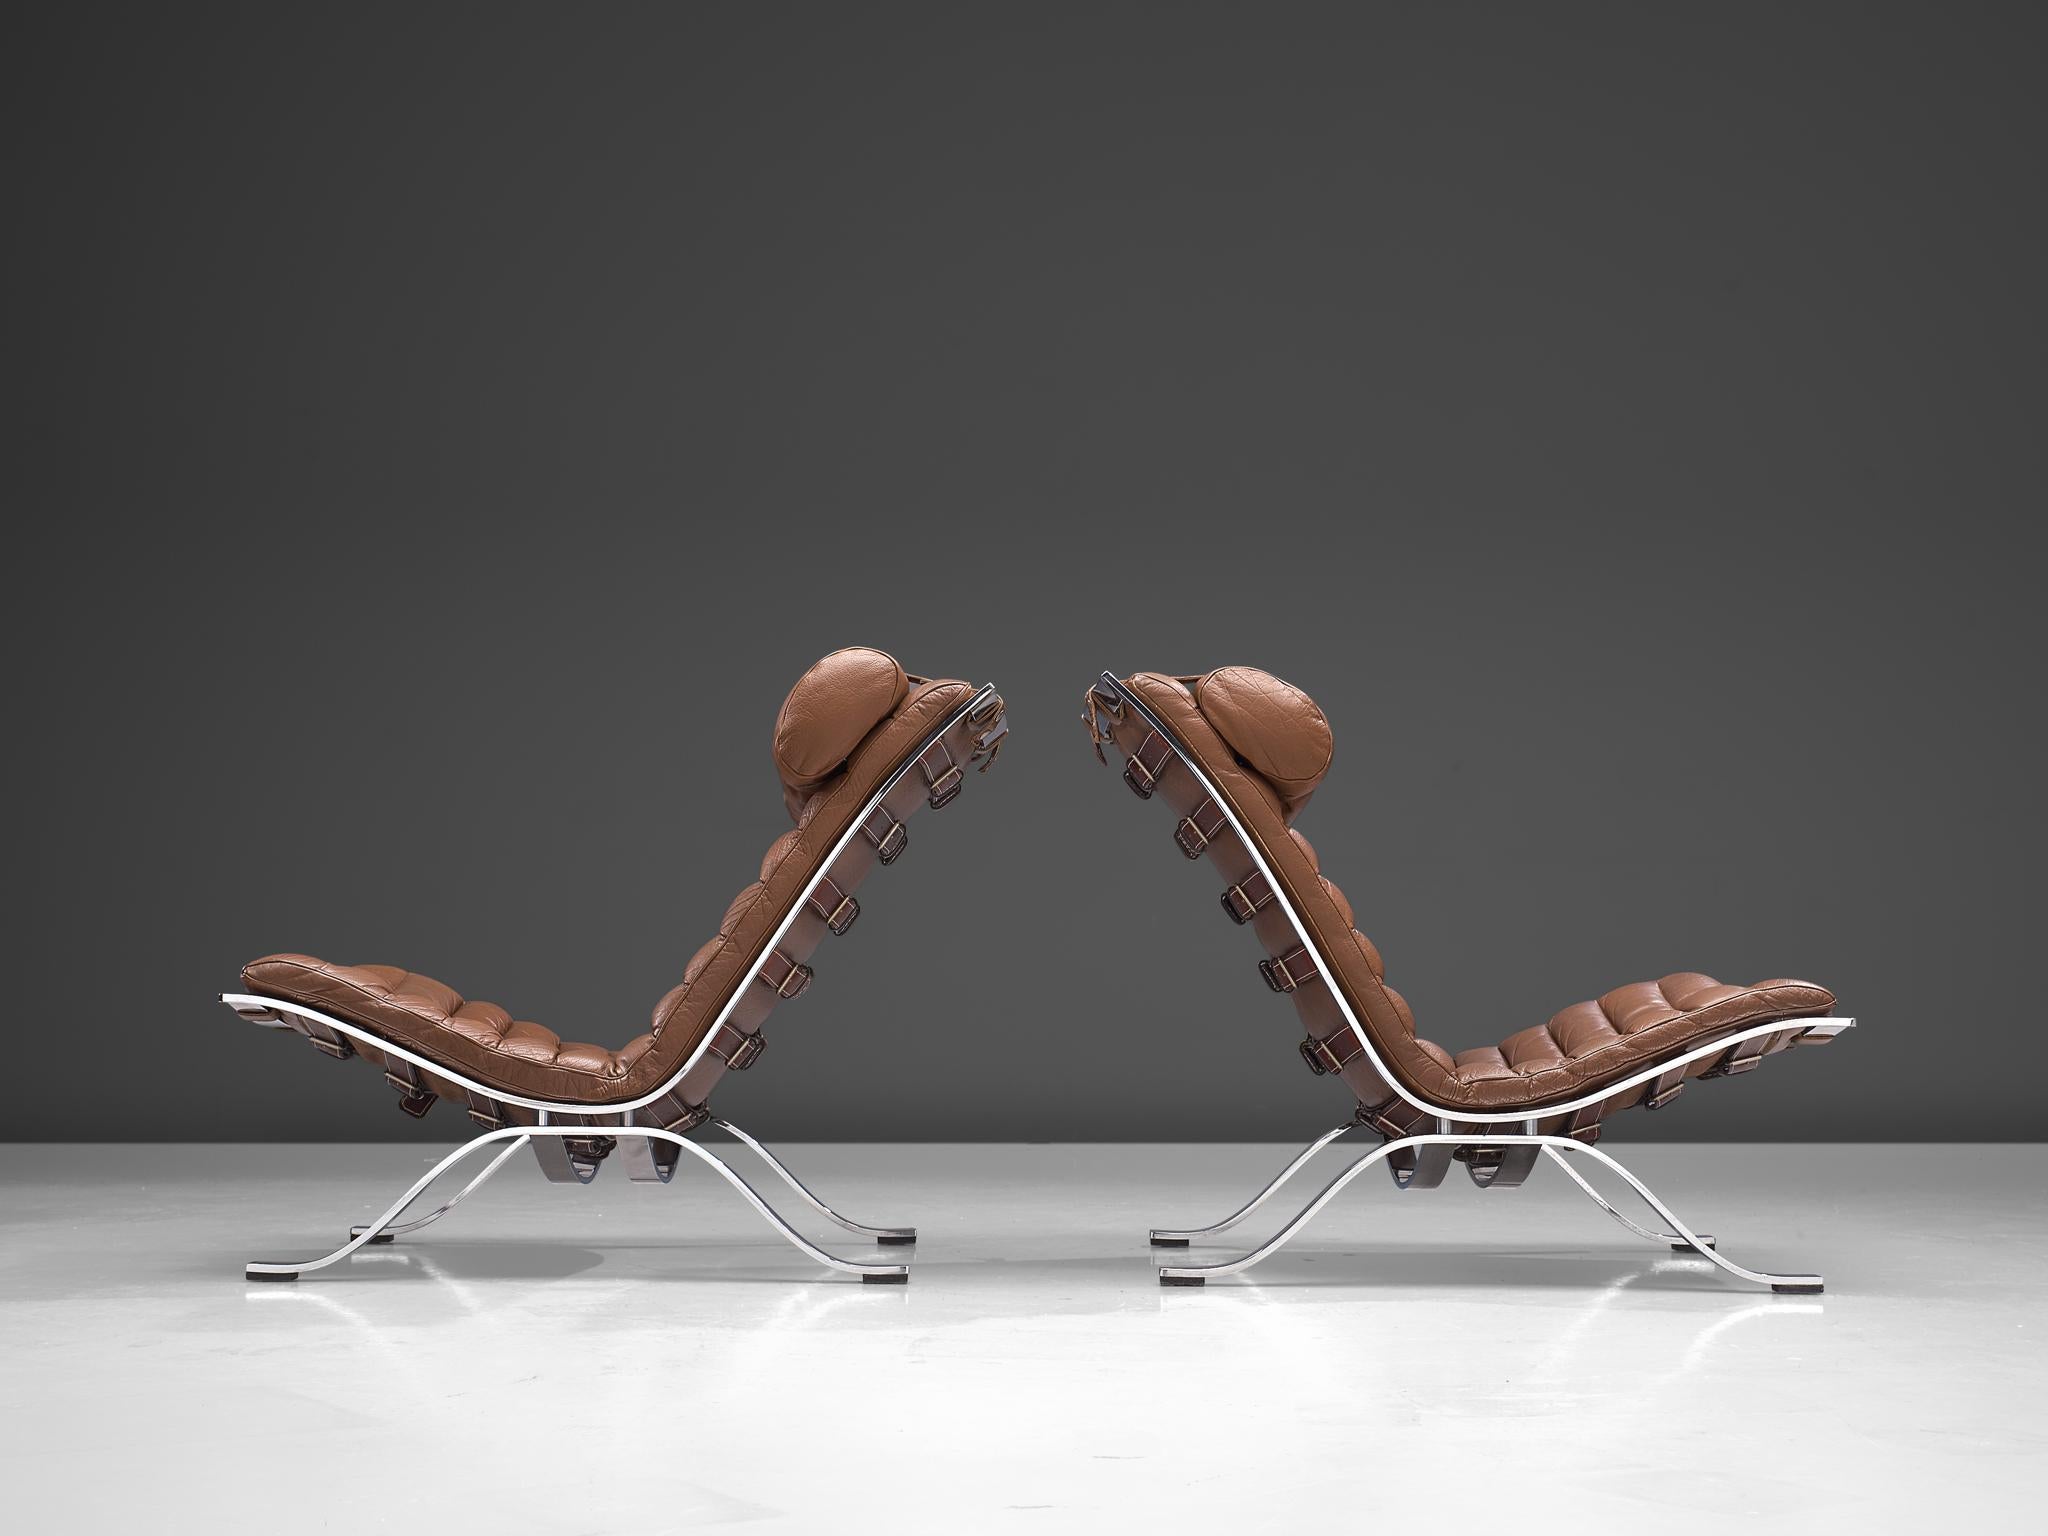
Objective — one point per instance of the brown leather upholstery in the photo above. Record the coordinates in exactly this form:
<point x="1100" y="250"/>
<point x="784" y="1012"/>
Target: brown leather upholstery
<point x="1267" y="746"/>
<point x="850" y="723"/>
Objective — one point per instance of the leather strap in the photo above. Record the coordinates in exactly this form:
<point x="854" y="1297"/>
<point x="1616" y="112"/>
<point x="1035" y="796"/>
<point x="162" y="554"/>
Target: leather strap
<point x="736" y="1048"/>
<point x="483" y="1111"/>
<point x="1199" y="828"/>
<point x="782" y="975"/>
<point x="941" y="784"/>
<point x="1739" y="1058"/>
<point x="834" y="907"/>
<point x="673" y="1113"/>
<point x="886" y="833"/>
<point x="1584" y="1125"/>
<point x="1393" y="1119"/>
<point x="1284" y="973"/>
<point x="1333" y="1054"/>
<point x="566" y="1159"/>
<point x="1421" y="1167"/>
<point x="1499" y="1167"/>
<point x="414" y="1096"/>
<point x="1143" y="770"/>
<point x="328" y="1042"/>
<point x="1243" y="900"/>
<point x="1664" y="1089"/>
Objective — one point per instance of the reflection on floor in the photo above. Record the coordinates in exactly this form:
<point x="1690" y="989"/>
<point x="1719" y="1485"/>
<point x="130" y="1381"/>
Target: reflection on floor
<point x="629" y="1358"/>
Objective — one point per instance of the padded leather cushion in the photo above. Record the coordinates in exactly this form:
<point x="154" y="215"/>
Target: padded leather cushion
<point x="1686" y="1007"/>
<point x="830" y="712"/>
<point x="1273" y="726"/>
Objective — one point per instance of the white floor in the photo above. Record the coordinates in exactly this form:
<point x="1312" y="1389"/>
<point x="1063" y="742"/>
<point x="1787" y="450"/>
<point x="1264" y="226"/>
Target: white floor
<point x="628" y="1358"/>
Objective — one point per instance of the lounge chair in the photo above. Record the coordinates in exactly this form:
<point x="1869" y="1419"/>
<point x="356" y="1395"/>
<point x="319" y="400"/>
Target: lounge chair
<point x="859" y="746"/>
<point x="1237" y="753"/>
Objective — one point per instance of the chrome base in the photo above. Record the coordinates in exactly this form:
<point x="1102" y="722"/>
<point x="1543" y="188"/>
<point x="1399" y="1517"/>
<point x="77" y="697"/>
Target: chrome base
<point x="1679" y="1236"/>
<point x="387" y="1226"/>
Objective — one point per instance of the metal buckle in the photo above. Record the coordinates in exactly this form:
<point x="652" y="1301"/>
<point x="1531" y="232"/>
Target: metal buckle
<point x="1320" y="1058"/>
<point x="1180" y="835"/>
<point x="747" y="1052"/>
<point x="1239" y="906"/>
<point x="890" y="843"/>
<point x="847" y="907"/>
<point x="945" y="788"/>
<point x="693" y="1115"/>
<point x="1142" y="791"/>
<point x="794" y="981"/>
<point x="1659" y="1100"/>
<point x="1279" y="977"/>
<point x="340" y="1050"/>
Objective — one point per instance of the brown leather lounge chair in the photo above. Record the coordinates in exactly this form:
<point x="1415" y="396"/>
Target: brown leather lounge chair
<point x="859" y="746"/>
<point x="1237" y="754"/>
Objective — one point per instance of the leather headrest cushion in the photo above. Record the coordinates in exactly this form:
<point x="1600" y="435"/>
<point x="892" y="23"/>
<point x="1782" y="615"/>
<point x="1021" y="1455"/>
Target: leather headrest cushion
<point x="1275" y="727"/>
<point x="830" y="709"/>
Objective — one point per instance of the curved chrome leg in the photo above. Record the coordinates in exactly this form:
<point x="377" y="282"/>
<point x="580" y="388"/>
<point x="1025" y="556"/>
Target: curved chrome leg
<point x="883" y="1273"/>
<point x="887" y="1235"/>
<point x="1677" y="1242"/>
<point x="1172" y="1237"/>
<point x="1798" y="1285"/>
<point x="393" y="1233"/>
<point x="1197" y="1274"/>
<point x="258" y="1269"/>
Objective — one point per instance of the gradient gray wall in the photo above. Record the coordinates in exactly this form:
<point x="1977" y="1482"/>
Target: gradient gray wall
<point x="442" y="436"/>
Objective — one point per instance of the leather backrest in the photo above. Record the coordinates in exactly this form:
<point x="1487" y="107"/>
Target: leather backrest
<point x="1266" y="745"/>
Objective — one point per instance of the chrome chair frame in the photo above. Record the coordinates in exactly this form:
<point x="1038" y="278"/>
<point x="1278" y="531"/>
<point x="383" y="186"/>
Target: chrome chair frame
<point x="1517" y="1127"/>
<point x="388" y="1226"/>
<point x="560" y="1120"/>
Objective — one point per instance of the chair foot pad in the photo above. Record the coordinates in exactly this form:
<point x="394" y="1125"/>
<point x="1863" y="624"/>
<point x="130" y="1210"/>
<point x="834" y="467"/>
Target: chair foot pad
<point x="1798" y="1290"/>
<point x="1181" y="1280"/>
<point x="896" y="1239"/>
<point x="1169" y="1242"/>
<point x="885" y="1279"/>
<point x="257" y="1274"/>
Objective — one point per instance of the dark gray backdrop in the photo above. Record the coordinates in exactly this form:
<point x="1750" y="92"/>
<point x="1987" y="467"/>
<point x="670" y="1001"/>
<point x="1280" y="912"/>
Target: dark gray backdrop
<point x="443" y="434"/>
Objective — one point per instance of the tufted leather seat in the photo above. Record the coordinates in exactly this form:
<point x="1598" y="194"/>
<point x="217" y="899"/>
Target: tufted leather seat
<point x="1266" y="746"/>
<point x="851" y="723"/>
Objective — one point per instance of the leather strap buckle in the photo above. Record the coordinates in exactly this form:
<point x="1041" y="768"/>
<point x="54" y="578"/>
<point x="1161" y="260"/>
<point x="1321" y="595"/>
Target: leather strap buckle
<point x="1665" y="1089"/>
<point x="886" y="833"/>
<point x="1143" y="770"/>
<point x="737" y="1050"/>
<point x="485" y="1113"/>
<point x="1205" y="822"/>
<point x="834" y="906"/>
<point x="338" y="1048"/>
<point x="793" y="978"/>
<point x="1325" y="1056"/>
<point x="414" y="1096"/>
<point x="1286" y="972"/>
<point x="943" y="786"/>
<point x="1243" y="900"/>
<point x="1740" y="1058"/>
<point x="693" y="1115"/>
